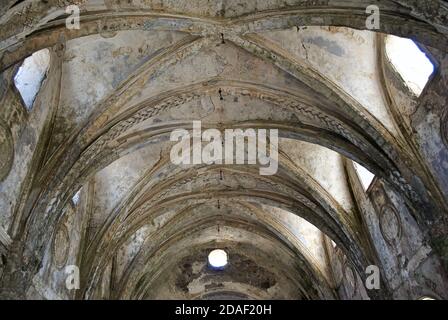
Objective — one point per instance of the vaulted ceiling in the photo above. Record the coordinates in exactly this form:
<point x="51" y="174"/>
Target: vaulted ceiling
<point x="135" y="71"/>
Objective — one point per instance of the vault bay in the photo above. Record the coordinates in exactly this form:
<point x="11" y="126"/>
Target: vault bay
<point x="93" y="207"/>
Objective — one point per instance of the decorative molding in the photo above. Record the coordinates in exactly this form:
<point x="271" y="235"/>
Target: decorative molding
<point x="338" y="270"/>
<point x="350" y="281"/>
<point x="390" y="224"/>
<point x="5" y="239"/>
<point x="444" y="127"/>
<point x="6" y="150"/>
<point x="60" y="248"/>
<point x="23" y="29"/>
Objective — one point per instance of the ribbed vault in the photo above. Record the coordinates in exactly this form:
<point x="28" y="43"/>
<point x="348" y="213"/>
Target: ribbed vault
<point x="143" y="227"/>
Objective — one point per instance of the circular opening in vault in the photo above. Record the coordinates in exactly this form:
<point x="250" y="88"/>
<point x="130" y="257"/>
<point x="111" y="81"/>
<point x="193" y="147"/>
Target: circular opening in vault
<point x="217" y="259"/>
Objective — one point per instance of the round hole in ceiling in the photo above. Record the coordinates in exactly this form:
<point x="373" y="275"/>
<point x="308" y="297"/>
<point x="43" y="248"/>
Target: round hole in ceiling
<point x="217" y="259"/>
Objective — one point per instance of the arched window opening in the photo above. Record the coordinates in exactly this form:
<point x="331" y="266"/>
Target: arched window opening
<point x="365" y="176"/>
<point x="410" y="62"/>
<point x="30" y="76"/>
<point x="76" y="197"/>
<point x="333" y="244"/>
